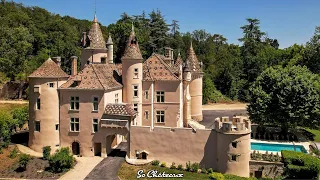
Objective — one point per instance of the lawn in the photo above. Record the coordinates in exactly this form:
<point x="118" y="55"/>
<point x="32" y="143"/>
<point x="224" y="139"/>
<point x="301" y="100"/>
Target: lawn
<point x="316" y="132"/>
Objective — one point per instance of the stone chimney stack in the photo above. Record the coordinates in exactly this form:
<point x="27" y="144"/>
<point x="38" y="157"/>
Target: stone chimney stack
<point x="74" y="64"/>
<point x="57" y="60"/>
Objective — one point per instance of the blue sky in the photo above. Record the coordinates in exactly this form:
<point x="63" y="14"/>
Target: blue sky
<point x="289" y="21"/>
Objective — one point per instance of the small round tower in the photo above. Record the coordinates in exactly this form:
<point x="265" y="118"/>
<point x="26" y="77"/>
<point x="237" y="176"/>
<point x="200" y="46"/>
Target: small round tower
<point x="44" y="105"/>
<point x="195" y="85"/>
<point x="110" y="49"/>
<point x="132" y="76"/>
<point x="233" y="140"/>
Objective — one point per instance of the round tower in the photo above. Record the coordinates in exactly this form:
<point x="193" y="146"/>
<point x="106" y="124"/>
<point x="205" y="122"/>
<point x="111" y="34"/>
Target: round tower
<point x="132" y="76"/>
<point x="110" y="49"/>
<point x="94" y="46"/>
<point x="195" y="85"/>
<point x="44" y="105"/>
<point x="233" y="140"/>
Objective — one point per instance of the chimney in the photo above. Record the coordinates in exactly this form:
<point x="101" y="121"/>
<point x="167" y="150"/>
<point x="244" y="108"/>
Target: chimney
<point x="74" y="63"/>
<point x="84" y="39"/>
<point x="57" y="60"/>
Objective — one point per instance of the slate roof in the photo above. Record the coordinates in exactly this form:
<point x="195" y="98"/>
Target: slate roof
<point x="192" y="60"/>
<point x="155" y="69"/>
<point x="49" y="69"/>
<point x="132" y="50"/>
<point x="95" y="76"/>
<point x="120" y="109"/>
<point x="95" y="36"/>
<point x="178" y="64"/>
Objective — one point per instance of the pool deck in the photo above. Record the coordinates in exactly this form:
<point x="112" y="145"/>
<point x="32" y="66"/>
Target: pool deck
<point x="304" y="144"/>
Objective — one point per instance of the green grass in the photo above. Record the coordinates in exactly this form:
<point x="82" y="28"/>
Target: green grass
<point x="316" y="132"/>
<point x="9" y="107"/>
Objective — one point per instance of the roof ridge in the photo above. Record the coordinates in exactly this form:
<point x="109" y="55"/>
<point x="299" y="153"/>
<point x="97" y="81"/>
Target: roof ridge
<point x="166" y="66"/>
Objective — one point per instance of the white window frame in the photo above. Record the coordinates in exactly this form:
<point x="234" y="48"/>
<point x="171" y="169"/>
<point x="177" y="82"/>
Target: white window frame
<point x="35" y="125"/>
<point x="135" y="90"/>
<point x="73" y="123"/>
<point x="159" y="114"/>
<point x="116" y="98"/>
<point x="161" y="96"/>
<point x="136" y="107"/>
<point x="93" y="103"/>
<point x="51" y="83"/>
<point x="38" y="106"/>
<point x="135" y="73"/>
<point x="74" y="101"/>
<point x="95" y="124"/>
<point x="146" y="115"/>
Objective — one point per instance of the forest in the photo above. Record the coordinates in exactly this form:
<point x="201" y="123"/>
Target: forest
<point x="29" y="35"/>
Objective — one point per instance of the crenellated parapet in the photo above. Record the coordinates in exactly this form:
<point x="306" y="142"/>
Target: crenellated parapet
<point x="236" y="125"/>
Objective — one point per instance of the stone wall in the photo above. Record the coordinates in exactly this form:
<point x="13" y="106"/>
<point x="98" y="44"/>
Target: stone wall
<point x="269" y="169"/>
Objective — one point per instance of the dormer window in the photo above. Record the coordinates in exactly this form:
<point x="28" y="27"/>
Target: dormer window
<point x="103" y="60"/>
<point x="134" y="41"/>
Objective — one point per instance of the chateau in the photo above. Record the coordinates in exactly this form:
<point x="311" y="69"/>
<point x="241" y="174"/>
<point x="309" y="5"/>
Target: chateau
<point x="155" y="104"/>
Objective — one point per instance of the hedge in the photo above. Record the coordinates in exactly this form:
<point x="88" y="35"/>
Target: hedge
<point x="300" y="165"/>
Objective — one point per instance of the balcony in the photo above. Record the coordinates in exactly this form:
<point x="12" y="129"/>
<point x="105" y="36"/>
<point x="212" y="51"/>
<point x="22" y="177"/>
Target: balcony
<point x="115" y="123"/>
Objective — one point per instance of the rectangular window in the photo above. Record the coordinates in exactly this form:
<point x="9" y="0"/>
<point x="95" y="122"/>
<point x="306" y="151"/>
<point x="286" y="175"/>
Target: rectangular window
<point x="233" y="157"/>
<point x="116" y="98"/>
<point x="146" y="93"/>
<point x="95" y="103"/>
<point x="135" y="107"/>
<point x="74" y="125"/>
<point x="160" y="96"/>
<point x="74" y="103"/>
<point x="95" y="125"/>
<point x="38" y="104"/>
<point x="135" y="91"/>
<point x="37" y="126"/>
<point x="146" y="115"/>
<point x="103" y="60"/>
<point x="160" y="116"/>
<point x="51" y="85"/>
<point x="57" y="127"/>
<point x="136" y="73"/>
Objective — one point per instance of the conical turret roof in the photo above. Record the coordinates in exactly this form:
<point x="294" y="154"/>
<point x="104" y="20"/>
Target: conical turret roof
<point x="95" y="35"/>
<point x="192" y="60"/>
<point x="132" y="50"/>
<point x="49" y="69"/>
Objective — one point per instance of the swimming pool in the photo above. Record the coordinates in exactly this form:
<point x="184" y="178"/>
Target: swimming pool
<point x="276" y="147"/>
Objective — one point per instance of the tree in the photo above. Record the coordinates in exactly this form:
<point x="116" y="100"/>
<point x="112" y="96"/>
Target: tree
<point x="285" y="96"/>
<point x="312" y="55"/>
<point x="20" y="115"/>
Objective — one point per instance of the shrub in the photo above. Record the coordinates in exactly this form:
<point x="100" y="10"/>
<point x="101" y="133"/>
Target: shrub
<point x="216" y="176"/>
<point x="4" y="144"/>
<point x="300" y="165"/>
<point x="23" y="161"/>
<point x="204" y="171"/>
<point x="61" y="161"/>
<point x="180" y="167"/>
<point x="210" y="170"/>
<point x="188" y="166"/>
<point x="173" y="165"/>
<point x="155" y="162"/>
<point x="195" y="167"/>
<point x="46" y="152"/>
<point x="13" y="153"/>
<point x="163" y="164"/>
<point x="259" y="156"/>
<point x="1" y="152"/>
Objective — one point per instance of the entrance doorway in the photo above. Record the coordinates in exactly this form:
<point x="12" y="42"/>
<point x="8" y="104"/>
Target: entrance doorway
<point x="75" y="148"/>
<point x="97" y="149"/>
<point x="115" y="147"/>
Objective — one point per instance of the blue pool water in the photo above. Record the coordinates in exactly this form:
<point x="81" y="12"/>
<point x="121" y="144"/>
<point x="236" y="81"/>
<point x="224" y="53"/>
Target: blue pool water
<point x="276" y="147"/>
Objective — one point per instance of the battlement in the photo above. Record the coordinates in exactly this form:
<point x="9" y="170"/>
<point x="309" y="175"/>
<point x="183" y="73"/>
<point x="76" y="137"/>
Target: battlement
<point x="238" y="124"/>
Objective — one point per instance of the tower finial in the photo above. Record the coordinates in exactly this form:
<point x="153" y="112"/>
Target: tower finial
<point x="132" y="27"/>
<point x="95" y="12"/>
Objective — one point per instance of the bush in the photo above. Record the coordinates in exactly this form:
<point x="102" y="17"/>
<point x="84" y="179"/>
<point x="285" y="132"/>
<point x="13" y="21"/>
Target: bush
<point x="195" y="167"/>
<point x="188" y="166"/>
<point x="300" y="165"/>
<point x="4" y="144"/>
<point x="204" y="171"/>
<point x="1" y="152"/>
<point x="61" y="161"/>
<point x="155" y="162"/>
<point x="210" y="170"/>
<point x="173" y="166"/>
<point x="23" y="161"/>
<point x="13" y="153"/>
<point x="216" y="176"/>
<point x="180" y="167"/>
<point x="46" y="152"/>
<point x="163" y="164"/>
